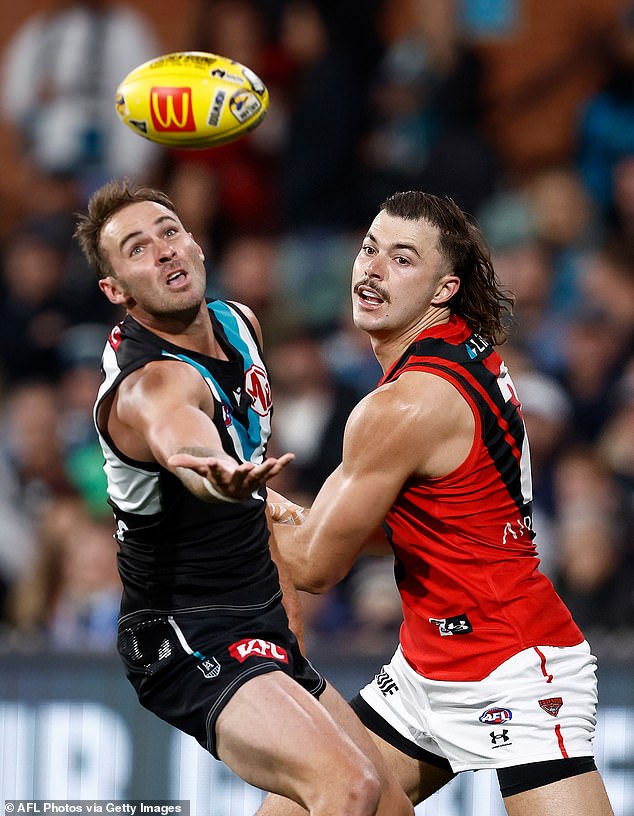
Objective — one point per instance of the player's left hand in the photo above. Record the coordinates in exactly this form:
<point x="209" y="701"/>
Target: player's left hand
<point x="233" y="481"/>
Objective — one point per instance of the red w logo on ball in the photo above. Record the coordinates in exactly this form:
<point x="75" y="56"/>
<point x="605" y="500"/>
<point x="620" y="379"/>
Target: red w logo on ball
<point x="172" y="109"/>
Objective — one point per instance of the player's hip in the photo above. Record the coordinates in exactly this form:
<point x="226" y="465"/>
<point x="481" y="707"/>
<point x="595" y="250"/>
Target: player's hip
<point x="538" y="705"/>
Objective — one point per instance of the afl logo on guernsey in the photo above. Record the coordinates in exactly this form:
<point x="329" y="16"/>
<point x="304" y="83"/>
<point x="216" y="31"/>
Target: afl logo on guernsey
<point x="258" y="388"/>
<point x="495" y="716"/>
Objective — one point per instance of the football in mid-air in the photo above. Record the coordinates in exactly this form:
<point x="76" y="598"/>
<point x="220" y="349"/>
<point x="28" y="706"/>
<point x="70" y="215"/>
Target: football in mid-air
<point x="192" y="99"/>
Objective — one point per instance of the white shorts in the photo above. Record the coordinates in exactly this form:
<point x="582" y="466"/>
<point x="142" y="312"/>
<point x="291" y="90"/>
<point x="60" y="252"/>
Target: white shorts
<point x="539" y="705"/>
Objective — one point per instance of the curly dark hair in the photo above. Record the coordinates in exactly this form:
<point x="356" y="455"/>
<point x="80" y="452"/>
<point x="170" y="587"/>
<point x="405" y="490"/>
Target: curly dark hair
<point x="485" y="306"/>
<point x="103" y="204"/>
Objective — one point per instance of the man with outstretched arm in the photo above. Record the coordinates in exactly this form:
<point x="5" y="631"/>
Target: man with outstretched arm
<point x="203" y="634"/>
<point x="490" y="671"/>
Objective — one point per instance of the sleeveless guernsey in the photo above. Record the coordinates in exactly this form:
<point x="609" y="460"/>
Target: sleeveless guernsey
<point x="465" y="562"/>
<point x="176" y="552"/>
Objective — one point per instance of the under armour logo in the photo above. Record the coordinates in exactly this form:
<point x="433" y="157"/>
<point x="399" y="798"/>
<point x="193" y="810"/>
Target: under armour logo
<point x="457" y="625"/>
<point x="503" y="736"/>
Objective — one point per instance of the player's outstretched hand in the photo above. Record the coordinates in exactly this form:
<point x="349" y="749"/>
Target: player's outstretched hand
<point x="226" y="480"/>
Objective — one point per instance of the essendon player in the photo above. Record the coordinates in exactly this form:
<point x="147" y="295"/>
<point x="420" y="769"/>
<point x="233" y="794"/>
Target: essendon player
<point x="184" y="417"/>
<point x="490" y="671"/>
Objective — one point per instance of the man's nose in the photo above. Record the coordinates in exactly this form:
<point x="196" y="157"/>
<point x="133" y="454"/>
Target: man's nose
<point x="375" y="267"/>
<point x="165" y="251"/>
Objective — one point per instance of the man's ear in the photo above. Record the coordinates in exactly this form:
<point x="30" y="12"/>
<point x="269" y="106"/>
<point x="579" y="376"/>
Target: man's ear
<point x="447" y="288"/>
<point x="113" y="290"/>
<point x="201" y="254"/>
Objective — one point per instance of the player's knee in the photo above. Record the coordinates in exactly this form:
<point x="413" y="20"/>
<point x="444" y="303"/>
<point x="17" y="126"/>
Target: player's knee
<point x="362" y="790"/>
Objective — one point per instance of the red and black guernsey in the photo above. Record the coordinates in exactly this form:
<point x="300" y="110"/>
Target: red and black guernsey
<point x="466" y="565"/>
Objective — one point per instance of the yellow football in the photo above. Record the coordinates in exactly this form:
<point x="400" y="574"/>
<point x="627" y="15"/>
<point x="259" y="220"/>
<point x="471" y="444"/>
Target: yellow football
<point x="192" y="99"/>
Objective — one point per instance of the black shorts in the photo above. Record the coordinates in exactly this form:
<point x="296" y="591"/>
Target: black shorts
<point x="186" y="666"/>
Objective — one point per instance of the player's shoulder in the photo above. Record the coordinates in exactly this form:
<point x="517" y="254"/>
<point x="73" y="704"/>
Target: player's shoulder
<point x="249" y="315"/>
<point x="155" y="376"/>
<point x="415" y="396"/>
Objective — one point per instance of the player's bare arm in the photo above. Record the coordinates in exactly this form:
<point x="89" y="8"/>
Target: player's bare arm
<point x="163" y="414"/>
<point x="417" y="426"/>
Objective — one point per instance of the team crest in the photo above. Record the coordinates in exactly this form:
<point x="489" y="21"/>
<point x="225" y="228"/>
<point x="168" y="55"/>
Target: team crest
<point x="115" y="337"/>
<point x="258" y="388"/>
<point x="209" y="667"/>
<point x="551" y="705"/>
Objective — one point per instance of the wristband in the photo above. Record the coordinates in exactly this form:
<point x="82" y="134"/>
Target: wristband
<point x="213" y="491"/>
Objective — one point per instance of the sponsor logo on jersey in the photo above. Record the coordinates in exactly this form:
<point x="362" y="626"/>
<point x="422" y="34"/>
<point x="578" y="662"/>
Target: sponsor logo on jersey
<point x="115" y="337"/>
<point x="500" y="739"/>
<point x="209" y="667"/>
<point x="258" y="388"/>
<point x="476" y="345"/>
<point x="172" y="110"/>
<point x="551" y="705"/>
<point x="496" y="716"/>
<point x="385" y="683"/>
<point x="257" y="647"/>
<point x="457" y="625"/>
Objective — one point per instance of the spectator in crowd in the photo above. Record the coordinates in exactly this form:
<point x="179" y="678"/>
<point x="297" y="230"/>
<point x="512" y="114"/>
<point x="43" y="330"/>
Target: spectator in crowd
<point x="248" y="271"/>
<point x="546" y="411"/>
<point x="593" y="354"/>
<point x="327" y="106"/>
<point x="32" y="473"/>
<point x="424" y="127"/>
<point x="278" y="233"/>
<point x="605" y="131"/>
<point x="60" y="71"/>
<point x="243" y="176"/>
<point x="33" y="312"/>
<point x="70" y="596"/>
<point x="311" y="409"/>
<point x="595" y="573"/>
<point x="616" y="442"/>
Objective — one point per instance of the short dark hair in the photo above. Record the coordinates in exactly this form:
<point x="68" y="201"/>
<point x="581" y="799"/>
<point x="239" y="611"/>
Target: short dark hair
<point x="103" y="204"/>
<point x="484" y="305"/>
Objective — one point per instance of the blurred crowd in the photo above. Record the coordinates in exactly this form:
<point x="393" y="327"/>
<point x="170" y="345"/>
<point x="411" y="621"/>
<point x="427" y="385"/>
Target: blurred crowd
<point x="366" y="99"/>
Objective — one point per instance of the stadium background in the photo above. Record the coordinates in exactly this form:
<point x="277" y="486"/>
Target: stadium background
<point x="523" y="110"/>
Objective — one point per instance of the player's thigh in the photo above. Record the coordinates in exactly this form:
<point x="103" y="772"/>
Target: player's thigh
<point x="275" y="736"/>
<point x="393" y="799"/>
<point x="418" y="779"/>
<point x="582" y="795"/>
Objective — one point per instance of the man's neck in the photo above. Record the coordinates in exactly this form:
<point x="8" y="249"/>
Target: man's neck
<point x="192" y="331"/>
<point x="388" y="348"/>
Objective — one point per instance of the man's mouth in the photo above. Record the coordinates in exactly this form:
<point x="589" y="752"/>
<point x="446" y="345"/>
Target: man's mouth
<point x="175" y="278"/>
<point x="369" y="296"/>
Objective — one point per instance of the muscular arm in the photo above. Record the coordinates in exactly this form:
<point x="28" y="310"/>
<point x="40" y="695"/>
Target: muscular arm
<point x="416" y="426"/>
<point x="163" y="413"/>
